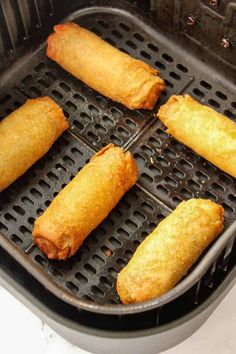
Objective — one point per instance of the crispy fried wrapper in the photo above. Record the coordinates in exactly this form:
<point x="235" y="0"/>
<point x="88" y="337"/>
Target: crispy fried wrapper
<point x="85" y="202"/>
<point x="107" y="70"/>
<point x="26" y="135"/>
<point x="166" y="255"/>
<point x="209" y="133"/>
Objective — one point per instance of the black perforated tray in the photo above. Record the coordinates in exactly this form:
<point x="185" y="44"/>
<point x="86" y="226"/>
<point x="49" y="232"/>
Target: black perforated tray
<point x="169" y="171"/>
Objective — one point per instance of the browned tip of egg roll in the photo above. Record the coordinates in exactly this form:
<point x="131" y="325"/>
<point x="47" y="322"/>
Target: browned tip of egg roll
<point x="104" y="68"/>
<point x="85" y="202"/>
<point x="166" y="255"/>
<point x="209" y="133"/>
<point x="26" y="135"/>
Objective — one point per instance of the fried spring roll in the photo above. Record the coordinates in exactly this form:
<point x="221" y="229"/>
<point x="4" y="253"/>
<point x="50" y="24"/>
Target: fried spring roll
<point x="104" y="68"/>
<point x="209" y="133"/>
<point x="85" y="202"/>
<point x="166" y="255"/>
<point x="26" y="135"/>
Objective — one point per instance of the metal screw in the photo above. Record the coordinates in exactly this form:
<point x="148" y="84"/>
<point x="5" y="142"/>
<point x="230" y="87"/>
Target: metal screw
<point x="225" y="43"/>
<point x="191" y="21"/>
<point x="214" y="2"/>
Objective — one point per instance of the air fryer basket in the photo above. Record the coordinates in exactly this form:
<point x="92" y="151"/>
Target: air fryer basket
<point x="169" y="171"/>
<point x="66" y="320"/>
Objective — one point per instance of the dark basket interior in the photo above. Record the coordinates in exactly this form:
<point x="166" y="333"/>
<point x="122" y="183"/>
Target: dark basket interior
<point x="169" y="171"/>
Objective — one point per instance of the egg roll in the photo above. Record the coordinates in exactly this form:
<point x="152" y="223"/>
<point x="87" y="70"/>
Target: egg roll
<point x="85" y="202"/>
<point x="26" y="135"/>
<point x="209" y="133"/>
<point x="106" y="69"/>
<point x="166" y="255"/>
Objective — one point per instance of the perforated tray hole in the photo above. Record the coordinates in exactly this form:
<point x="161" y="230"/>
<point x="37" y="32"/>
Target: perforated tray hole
<point x="107" y="251"/>
<point x="156" y="171"/>
<point x="160" y="65"/>
<point x="175" y="76"/>
<point x="40" y="67"/>
<point x="198" y="93"/>
<point x="16" y="239"/>
<point x="99" y="260"/>
<point x="72" y="287"/>
<point x="221" y="95"/>
<point x="229" y="114"/>
<point x="153" y="47"/>
<point x="81" y="278"/>
<point x="43" y="83"/>
<point x="41" y="260"/>
<point x="167" y="57"/>
<point x="182" y="68"/>
<point x="9" y="217"/>
<point x="3" y="228"/>
<point x="106" y="282"/>
<point x="97" y="292"/>
<point x="56" y="274"/>
<point x="171" y="181"/>
<point x="131" y="44"/>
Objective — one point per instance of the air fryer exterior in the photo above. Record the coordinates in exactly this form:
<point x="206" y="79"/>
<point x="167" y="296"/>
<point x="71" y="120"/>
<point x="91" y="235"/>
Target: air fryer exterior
<point x="178" y="38"/>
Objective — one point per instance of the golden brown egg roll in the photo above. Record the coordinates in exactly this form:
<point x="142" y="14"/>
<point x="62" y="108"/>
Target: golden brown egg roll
<point x="104" y="68"/>
<point x="166" y="255"/>
<point x="26" y="135"/>
<point x="209" y="133"/>
<point x="85" y="202"/>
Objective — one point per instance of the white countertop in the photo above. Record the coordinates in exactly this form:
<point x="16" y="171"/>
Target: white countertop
<point x="22" y="332"/>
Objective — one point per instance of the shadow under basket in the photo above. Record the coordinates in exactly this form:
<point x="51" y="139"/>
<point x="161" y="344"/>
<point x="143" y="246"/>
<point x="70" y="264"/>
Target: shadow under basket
<point x="77" y="297"/>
